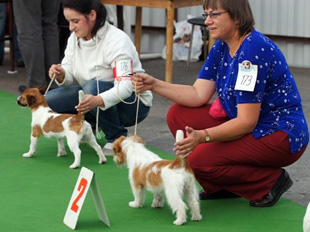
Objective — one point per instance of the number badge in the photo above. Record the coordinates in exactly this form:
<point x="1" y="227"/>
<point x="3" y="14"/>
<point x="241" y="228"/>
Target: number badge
<point x="247" y="75"/>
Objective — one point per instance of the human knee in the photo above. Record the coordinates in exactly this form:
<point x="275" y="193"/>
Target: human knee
<point x="52" y="98"/>
<point x="91" y="86"/>
<point x="173" y="113"/>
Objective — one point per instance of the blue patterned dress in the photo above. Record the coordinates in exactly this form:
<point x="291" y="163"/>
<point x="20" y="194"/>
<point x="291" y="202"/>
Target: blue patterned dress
<point x="275" y="87"/>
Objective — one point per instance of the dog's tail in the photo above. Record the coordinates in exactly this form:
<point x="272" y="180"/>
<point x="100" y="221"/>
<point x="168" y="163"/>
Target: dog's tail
<point x="81" y="97"/>
<point x="180" y="159"/>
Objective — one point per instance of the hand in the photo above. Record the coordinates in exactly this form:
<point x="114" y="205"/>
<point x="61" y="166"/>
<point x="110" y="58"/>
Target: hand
<point x="58" y="72"/>
<point x="142" y="81"/>
<point x="89" y="102"/>
<point x="185" y="146"/>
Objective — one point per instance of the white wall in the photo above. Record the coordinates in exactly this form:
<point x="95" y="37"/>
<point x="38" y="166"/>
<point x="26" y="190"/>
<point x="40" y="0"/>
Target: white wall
<point x="282" y="17"/>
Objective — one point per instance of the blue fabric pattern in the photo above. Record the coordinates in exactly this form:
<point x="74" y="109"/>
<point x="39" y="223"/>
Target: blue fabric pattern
<point x="275" y="87"/>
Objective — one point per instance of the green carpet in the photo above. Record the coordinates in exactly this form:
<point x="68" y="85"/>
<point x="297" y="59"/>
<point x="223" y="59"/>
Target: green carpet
<point x="35" y="192"/>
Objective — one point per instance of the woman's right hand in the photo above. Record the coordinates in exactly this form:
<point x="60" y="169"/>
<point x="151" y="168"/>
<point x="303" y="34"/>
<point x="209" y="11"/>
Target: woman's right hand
<point x="58" y="72"/>
<point x="142" y="81"/>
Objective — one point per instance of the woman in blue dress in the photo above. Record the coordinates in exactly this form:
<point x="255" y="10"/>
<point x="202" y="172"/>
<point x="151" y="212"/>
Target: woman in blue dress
<point x="237" y="146"/>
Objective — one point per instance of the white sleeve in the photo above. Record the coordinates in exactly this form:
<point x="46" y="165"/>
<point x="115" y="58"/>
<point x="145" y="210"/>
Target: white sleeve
<point x="68" y="61"/>
<point x="121" y="90"/>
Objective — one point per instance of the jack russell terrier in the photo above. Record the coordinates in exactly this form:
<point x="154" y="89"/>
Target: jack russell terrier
<point x="173" y="178"/>
<point x="54" y="125"/>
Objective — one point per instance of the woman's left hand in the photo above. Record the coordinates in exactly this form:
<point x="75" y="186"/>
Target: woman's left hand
<point x="88" y="103"/>
<point x="185" y="146"/>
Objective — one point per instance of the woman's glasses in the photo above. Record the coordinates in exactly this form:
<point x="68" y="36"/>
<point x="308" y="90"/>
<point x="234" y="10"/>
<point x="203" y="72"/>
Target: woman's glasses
<point x="212" y="15"/>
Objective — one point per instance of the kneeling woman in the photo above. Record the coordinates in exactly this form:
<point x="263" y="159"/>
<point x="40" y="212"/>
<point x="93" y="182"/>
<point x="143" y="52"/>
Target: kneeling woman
<point x="96" y="48"/>
<point x="240" y="150"/>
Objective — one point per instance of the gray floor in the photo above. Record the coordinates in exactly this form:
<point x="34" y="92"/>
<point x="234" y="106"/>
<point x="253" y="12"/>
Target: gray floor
<point x="154" y="129"/>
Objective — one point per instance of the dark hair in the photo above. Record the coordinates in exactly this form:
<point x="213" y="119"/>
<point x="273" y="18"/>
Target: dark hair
<point x="239" y="10"/>
<point x="85" y="7"/>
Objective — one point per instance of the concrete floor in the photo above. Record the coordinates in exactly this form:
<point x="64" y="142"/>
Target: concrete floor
<point x="155" y="132"/>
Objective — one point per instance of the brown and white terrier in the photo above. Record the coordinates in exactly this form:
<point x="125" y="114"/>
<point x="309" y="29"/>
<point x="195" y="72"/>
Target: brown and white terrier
<point x="54" y="125"/>
<point x="173" y="178"/>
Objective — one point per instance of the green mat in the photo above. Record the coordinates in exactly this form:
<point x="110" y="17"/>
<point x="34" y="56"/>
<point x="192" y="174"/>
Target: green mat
<point x="35" y="192"/>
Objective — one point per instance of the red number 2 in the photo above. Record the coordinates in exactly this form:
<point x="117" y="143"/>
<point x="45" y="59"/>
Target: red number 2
<point x="83" y="185"/>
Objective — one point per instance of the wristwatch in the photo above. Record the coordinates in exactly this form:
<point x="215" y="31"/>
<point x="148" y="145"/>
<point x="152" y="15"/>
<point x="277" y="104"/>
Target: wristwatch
<point x="207" y="139"/>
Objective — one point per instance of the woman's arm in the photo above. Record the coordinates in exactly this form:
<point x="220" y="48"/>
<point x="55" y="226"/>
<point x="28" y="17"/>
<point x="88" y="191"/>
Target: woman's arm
<point x="192" y="96"/>
<point x="244" y="123"/>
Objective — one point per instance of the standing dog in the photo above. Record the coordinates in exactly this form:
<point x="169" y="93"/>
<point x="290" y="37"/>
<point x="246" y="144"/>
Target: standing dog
<point x="53" y="125"/>
<point x="148" y="171"/>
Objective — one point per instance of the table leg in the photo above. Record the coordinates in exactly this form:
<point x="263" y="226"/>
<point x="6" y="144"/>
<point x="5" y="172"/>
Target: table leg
<point x="169" y="42"/>
<point x="120" y="18"/>
<point x="138" y="29"/>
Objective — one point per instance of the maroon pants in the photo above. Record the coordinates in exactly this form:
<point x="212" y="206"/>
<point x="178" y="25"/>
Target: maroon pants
<point x="247" y="166"/>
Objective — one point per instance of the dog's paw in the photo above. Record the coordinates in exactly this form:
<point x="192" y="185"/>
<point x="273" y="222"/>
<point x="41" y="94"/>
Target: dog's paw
<point x="179" y="221"/>
<point x="61" y="153"/>
<point x="73" y="166"/>
<point x="196" y="217"/>
<point x="102" y="160"/>
<point x="135" y="204"/>
<point x="157" y="204"/>
<point x="27" y="155"/>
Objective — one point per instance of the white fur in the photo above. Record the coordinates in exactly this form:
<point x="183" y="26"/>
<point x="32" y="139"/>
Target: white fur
<point x="306" y="224"/>
<point x="176" y="182"/>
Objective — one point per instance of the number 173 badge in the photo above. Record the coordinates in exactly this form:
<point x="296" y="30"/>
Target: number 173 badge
<point x="247" y="75"/>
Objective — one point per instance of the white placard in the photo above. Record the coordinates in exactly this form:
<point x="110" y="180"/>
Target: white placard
<point x="123" y="69"/>
<point x="85" y="181"/>
<point x="247" y="75"/>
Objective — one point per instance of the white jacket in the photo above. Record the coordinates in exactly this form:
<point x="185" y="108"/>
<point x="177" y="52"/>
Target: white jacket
<point x="95" y="58"/>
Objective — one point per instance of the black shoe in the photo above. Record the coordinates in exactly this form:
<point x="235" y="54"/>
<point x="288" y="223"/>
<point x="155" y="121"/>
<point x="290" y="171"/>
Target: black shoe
<point x="217" y="195"/>
<point x="20" y="63"/>
<point x="282" y="185"/>
<point x="22" y="88"/>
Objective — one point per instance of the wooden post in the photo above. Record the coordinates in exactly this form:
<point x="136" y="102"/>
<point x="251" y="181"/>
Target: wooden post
<point x="169" y="42"/>
<point x="138" y="29"/>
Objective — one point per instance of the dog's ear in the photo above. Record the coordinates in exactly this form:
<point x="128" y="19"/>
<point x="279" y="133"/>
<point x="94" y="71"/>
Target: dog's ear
<point x="31" y="100"/>
<point x="42" y="90"/>
<point x="117" y="147"/>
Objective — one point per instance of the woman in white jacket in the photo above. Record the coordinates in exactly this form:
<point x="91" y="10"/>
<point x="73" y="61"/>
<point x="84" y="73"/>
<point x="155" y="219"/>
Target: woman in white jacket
<point x="93" y="55"/>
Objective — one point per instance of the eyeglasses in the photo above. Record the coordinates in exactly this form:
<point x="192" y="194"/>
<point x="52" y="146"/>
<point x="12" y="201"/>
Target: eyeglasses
<point x="212" y="15"/>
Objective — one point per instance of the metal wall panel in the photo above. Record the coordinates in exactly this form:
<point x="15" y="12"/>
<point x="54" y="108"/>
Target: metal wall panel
<point x="282" y="17"/>
<point x="272" y="17"/>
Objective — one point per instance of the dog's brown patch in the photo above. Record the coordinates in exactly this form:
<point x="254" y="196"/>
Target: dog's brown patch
<point x="154" y="178"/>
<point x="144" y="175"/>
<point x="54" y="124"/>
<point x="139" y="178"/>
<point x="181" y="162"/>
<point x="76" y="123"/>
<point x="37" y="131"/>
<point x="137" y="139"/>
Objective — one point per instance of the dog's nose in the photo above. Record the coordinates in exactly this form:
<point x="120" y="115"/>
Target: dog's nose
<point x="18" y="101"/>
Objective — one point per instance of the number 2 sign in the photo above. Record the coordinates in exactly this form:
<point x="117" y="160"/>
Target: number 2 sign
<point x="81" y="188"/>
<point x="85" y="181"/>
